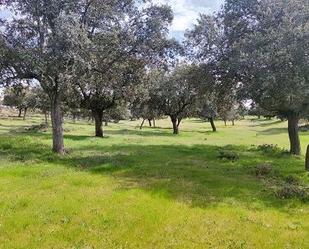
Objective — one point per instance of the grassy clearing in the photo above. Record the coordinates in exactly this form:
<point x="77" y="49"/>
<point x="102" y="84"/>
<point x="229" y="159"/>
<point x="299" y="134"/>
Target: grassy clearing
<point x="149" y="188"/>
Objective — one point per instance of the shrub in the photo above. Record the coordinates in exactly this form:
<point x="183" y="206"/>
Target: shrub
<point x="263" y="170"/>
<point x="271" y="149"/>
<point x="268" y="148"/>
<point x="292" y="188"/>
<point x="291" y="191"/>
<point x="292" y="180"/>
<point x="228" y="155"/>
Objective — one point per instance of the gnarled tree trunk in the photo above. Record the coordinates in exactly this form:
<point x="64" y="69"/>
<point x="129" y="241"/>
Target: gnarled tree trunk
<point x="98" y="119"/>
<point x="212" y="123"/>
<point x="19" y="112"/>
<point x="149" y="121"/>
<point x="293" y="134"/>
<point x="141" y="126"/>
<point x="307" y="159"/>
<point x="175" y="125"/>
<point x="46" y="118"/>
<point x="57" y="120"/>
<point x="25" y="112"/>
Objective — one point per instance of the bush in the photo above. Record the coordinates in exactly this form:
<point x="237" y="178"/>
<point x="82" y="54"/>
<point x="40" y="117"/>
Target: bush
<point x="263" y="170"/>
<point x="292" y="180"/>
<point x="291" y="191"/>
<point x="228" y="155"/>
<point x="292" y="188"/>
<point x="283" y="188"/>
<point x="271" y="149"/>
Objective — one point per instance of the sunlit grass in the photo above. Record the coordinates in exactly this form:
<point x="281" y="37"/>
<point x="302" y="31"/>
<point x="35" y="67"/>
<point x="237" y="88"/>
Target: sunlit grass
<point x="148" y="188"/>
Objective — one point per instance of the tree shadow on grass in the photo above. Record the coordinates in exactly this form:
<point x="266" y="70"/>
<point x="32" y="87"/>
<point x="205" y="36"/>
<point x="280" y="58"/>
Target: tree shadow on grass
<point x="18" y="127"/>
<point x="208" y="132"/>
<point x="191" y="174"/>
<point x="80" y="122"/>
<point x="149" y="133"/>
<point x="78" y="137"/>
<point x="273" y="131"/>
<point x="146" y="132"/>
<point x="199" y="121"/>
<point x="267" y="124"/>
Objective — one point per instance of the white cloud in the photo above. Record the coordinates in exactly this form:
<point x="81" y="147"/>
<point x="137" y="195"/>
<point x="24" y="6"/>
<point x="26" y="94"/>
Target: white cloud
<point x="5" y="13"/>
<point x="187" y="11"/>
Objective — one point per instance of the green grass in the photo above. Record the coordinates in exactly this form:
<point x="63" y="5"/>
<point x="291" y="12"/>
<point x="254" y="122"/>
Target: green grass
<point x="149" y="188"/>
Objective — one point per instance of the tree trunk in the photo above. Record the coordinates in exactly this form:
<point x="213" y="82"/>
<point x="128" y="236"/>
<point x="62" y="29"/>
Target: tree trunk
<point x="25" y="112"/>
<point x="106" y="123"/>
<point x="98" y="119"/>
<point x="149" y="121"/>
<point x="307" y="159"/>
<point x="212" y="123"/>
<point x="74" y="117"/>
<point x="233" y="122"/>
<point x="224" y="122"/>
<point x="154" y="122"/>
<point x="19" y="112"/>
<point x="178" y="121"/>
<point x="141" y="126"/>
<point x="57" y="120"/>
<point x="175" y="126"/>
<point x="46" y="118"/>
<point x="293" y="134"/>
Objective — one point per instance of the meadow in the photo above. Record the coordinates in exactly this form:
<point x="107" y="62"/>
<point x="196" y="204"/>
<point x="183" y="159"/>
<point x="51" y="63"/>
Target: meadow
<point x="151" y="189"/>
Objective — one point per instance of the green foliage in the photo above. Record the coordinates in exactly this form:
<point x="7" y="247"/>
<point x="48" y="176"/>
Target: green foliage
<point x="257" y="51"/>
<point x="88" y="54"/>
<point x="20" y="96"/>
<point x="177" y="92"/>
<point x="271" y="51"/>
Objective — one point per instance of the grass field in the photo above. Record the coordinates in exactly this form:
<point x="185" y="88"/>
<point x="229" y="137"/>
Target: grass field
<point x="151" y="189"/>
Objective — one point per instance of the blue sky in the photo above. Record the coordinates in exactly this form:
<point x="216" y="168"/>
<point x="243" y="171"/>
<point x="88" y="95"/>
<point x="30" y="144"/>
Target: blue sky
<point x="187" y="11"/>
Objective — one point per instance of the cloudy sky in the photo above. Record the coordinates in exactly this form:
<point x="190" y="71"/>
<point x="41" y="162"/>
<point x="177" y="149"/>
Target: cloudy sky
<point x="187" y="11"/>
